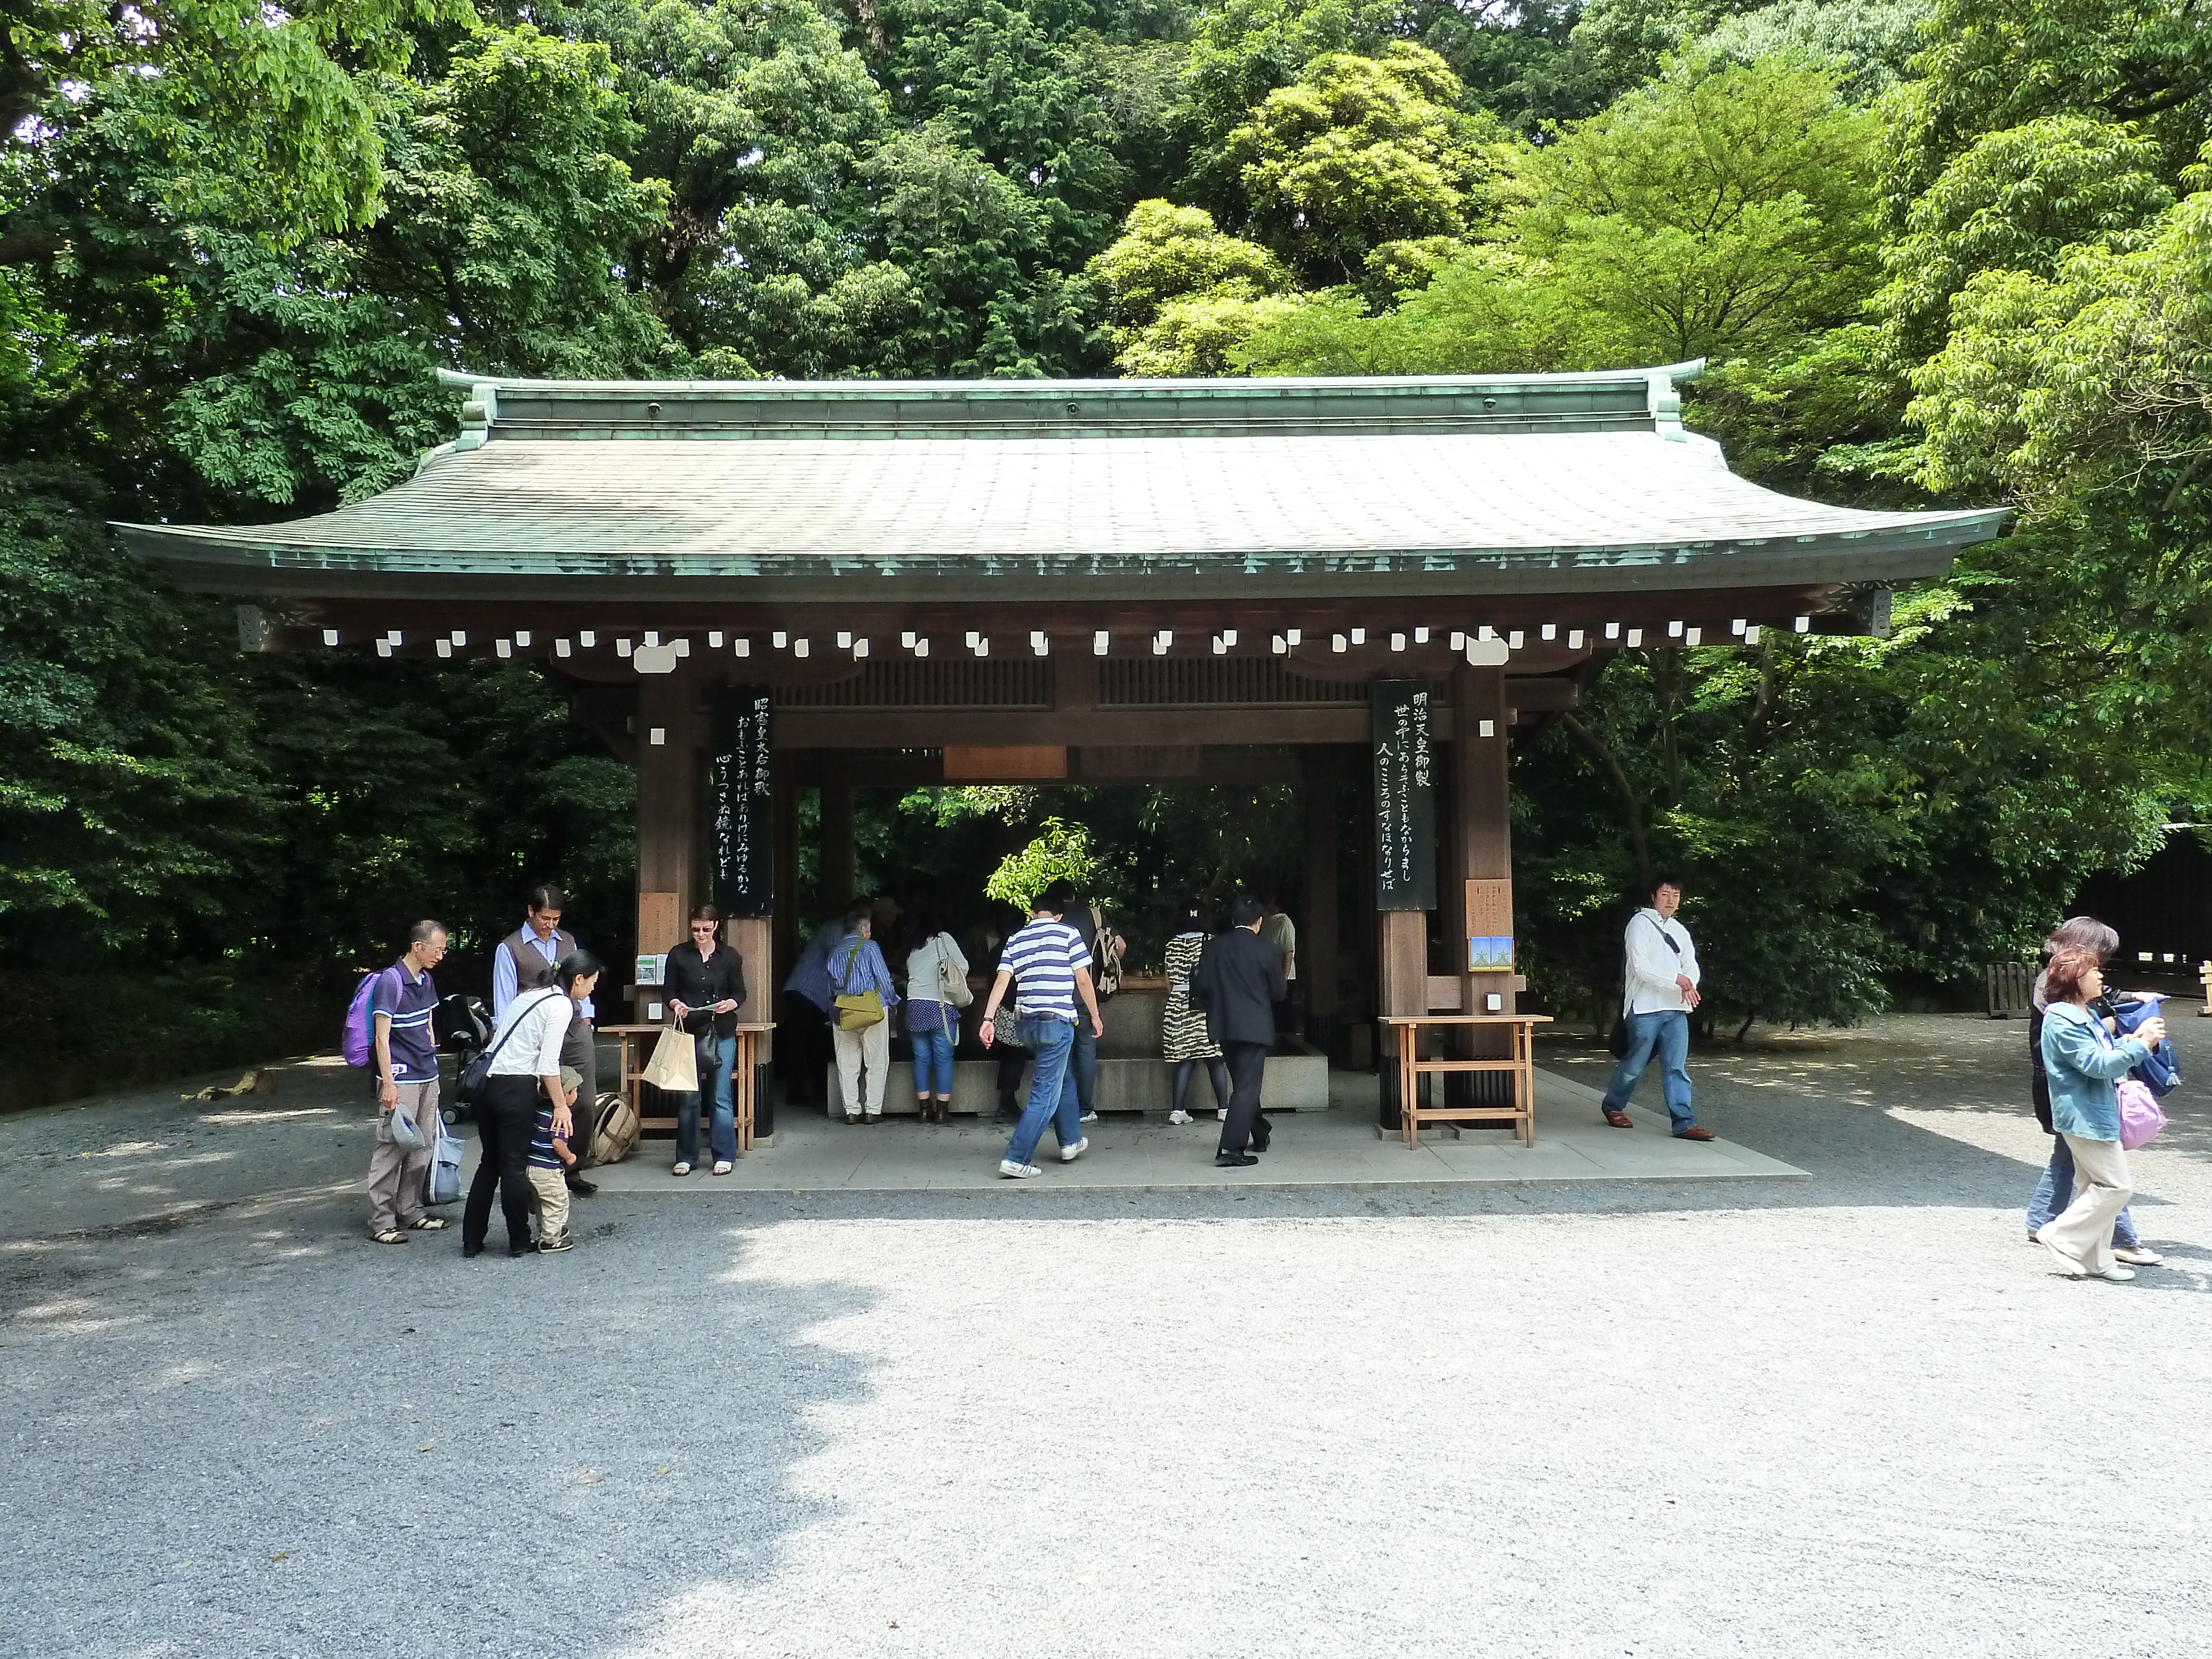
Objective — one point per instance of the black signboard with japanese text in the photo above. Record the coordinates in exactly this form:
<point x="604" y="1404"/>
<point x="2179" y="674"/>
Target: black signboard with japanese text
<point x="1404" y="797"/>
<point x="740" y="830"/>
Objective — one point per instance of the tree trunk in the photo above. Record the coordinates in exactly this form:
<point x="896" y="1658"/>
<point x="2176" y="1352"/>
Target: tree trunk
<point x="1632" y="809"/>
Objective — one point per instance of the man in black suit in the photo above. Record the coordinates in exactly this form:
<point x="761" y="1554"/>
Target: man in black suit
<point x="1238" y="981"/>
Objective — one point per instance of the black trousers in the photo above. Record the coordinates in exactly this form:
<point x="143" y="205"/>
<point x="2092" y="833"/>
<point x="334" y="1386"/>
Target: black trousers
<point x="580" y="1049"/>
<point x="802" y="1051"/>
<point x="1247" y="1123"/>
<point x="505" y="1120"/>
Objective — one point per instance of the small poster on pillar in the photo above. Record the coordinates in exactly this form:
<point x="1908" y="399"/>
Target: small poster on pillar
<point x="1404" y="797"/>
<point x="741" y="832"/>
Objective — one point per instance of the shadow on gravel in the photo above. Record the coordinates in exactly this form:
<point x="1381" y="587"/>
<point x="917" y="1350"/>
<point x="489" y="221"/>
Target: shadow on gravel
<point x="303" y="1442"/>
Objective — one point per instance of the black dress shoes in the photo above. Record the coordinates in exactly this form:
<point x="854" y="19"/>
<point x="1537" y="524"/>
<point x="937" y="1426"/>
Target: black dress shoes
<point x="522" y="1250"/>
<point x="1234" y="1160"/>
<point x="583" y="1187"/>
<point x="468" y="1249"/>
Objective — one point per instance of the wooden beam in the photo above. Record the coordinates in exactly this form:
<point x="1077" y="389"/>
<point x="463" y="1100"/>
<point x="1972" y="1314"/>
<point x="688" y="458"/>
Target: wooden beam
<point x="1116" y="728"/>
<point x="1479" y="842"/>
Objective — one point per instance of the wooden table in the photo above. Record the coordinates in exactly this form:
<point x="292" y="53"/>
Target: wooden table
<point x="1522" y="1113"/>
<point x="636" y="1050"/>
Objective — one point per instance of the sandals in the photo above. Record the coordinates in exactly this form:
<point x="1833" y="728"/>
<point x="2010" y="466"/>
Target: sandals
<point x="681" y="1169"/>
<point x="389" y="1236"/>
<point x="722" y="1166"/>
<point x="429" y="1224"/>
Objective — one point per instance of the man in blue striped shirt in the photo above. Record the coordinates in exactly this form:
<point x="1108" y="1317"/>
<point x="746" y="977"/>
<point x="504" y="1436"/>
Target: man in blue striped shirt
<point x="1052" y="965"/>
<point x="405" y="1051"/>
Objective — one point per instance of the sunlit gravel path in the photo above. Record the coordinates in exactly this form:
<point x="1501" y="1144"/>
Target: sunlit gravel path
<point x="1849" y="1415"/>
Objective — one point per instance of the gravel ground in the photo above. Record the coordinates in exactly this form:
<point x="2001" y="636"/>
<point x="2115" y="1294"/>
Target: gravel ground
<point x="1849" y="1415"/>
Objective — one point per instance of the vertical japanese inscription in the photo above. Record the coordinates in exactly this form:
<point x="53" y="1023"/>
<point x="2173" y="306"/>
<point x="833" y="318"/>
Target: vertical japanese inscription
<point x="741" y="832"/>
<point x="1405" y="798"/>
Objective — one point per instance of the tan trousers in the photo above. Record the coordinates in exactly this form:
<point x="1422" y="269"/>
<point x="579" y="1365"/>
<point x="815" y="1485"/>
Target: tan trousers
<point x="2082" y="1237"/>
<point x="871" y="1048"/>
<point x="396" y="1175"/>
<point x="549" y="1192"/>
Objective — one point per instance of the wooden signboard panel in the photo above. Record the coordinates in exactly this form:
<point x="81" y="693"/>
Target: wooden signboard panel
<point x="1489" y="926"/>
<point x="1404" y="797"/>
<point x="741" y="821"/>
<point x="659" y="923"/>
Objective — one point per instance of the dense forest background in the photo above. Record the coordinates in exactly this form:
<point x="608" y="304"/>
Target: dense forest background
<point x="1936" y="250"/>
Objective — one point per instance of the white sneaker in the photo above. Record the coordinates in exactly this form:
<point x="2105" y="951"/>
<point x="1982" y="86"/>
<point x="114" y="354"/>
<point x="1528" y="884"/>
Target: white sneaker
<point x="1221" y="1115"/>
<point x="1178" y="1117"/>
<point x="2139" y="1255"/>
<point x="1069" y="1154"/>
<point x="1088" y="1117"/>
<point x="2118" y="1275"/>
<point x="1014" y="1171"/>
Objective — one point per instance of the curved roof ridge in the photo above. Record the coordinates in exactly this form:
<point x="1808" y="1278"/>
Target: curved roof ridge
<point x="1222" y="386"/>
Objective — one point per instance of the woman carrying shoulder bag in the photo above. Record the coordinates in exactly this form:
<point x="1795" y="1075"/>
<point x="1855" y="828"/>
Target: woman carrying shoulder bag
<point x="936" y="991"/>
<point x="2085" y="1064"/>
<point x="526" y="1060"/>
<point x="706" y="987"/>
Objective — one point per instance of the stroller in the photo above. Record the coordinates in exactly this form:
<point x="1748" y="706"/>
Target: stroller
<point x="461" y="1028"/>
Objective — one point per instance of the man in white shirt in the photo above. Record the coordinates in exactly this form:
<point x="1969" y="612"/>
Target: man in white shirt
<point x="1659" y="987"/>
<point x="525" y="961"/>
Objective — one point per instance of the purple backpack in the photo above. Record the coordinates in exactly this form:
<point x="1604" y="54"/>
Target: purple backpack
<point x="358" y="1045"/>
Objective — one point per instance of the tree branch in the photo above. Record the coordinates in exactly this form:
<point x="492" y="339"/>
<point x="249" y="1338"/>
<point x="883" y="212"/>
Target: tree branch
<point x="1632" y="809"/>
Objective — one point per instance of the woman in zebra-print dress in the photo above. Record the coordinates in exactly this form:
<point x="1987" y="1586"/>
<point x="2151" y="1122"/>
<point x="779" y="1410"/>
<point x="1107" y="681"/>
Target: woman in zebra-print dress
<point x="1184" y="1039"/>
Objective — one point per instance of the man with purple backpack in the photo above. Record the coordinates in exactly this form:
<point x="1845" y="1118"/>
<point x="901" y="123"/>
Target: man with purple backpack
<point x="404" y="1049"/>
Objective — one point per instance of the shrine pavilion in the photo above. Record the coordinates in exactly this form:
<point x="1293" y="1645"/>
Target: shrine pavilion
<point x="750" y="588"/>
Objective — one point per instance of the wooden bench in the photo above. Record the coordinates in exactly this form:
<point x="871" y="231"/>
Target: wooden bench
<point x="1520" y="1065"/>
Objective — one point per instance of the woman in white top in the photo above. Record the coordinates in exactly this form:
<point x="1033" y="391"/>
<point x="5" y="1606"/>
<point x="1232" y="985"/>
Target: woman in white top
<point x="526" y="1059"/>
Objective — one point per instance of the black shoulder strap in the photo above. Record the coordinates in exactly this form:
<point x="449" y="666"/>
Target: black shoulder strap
<point x="1664" y="934"/>
<point x="553" y="990"/>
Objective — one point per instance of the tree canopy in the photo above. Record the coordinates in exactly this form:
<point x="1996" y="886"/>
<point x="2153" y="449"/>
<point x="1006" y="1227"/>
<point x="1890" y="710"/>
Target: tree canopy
<point x="1934" y="249"/>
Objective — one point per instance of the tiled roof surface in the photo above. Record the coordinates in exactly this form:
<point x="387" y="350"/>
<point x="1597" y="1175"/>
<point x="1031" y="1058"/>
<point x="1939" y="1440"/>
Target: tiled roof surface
<point x="639" y="506"/>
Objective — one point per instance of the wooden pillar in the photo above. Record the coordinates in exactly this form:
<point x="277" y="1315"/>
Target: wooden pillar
<point x="1320" y="973"/>
<point x="787" y="919"/>
<point x="1478" y="849"/>
<point x="1478" y="843"/>
<point x="839" y="869"/>
<point x="669" y="811"/>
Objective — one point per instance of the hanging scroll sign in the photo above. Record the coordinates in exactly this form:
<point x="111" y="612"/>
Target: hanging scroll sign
<point x="741" y="836"/>
<point x="1404" y="797"/>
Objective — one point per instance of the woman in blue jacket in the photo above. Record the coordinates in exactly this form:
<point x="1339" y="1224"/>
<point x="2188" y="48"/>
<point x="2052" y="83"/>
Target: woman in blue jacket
<point x="2085" y="1063"/>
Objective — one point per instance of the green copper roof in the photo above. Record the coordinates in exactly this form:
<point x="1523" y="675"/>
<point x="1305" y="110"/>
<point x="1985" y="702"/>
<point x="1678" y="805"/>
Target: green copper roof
<point x="1567" y="482"/>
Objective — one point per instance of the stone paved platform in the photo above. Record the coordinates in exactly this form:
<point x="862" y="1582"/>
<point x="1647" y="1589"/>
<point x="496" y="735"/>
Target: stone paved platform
<point x="1339" y="1147"/>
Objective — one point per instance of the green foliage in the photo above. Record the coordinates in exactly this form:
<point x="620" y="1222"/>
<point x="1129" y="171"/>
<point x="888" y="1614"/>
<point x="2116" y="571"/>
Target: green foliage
<point x="1867" y="44"/>
<point x="1707" y="214"/>
<point x="1358" y="152"/>
<point x="2018" y="199"/>
<point x="132" y="807"/>
<point x="1061" y="853"/>
<point x="1179" y="293"/>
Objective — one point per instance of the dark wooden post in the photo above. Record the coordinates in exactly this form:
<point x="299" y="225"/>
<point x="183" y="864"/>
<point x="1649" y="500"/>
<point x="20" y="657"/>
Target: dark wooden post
<point x="1319" y="971"/>
<point x="1479" y="844"/>
<point x="669" y="812"/>
<point x="839" y="868"/>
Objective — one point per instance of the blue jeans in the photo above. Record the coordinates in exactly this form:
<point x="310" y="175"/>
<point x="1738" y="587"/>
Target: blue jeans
<point x="1051" y="1089"/>
<point x="932" y="1061"/>
<point x="2055" y="1191"/>
<point x="715" y="1055"/>
<point x="1668" y="1031"/>
<point x="1083" y="1065"/>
